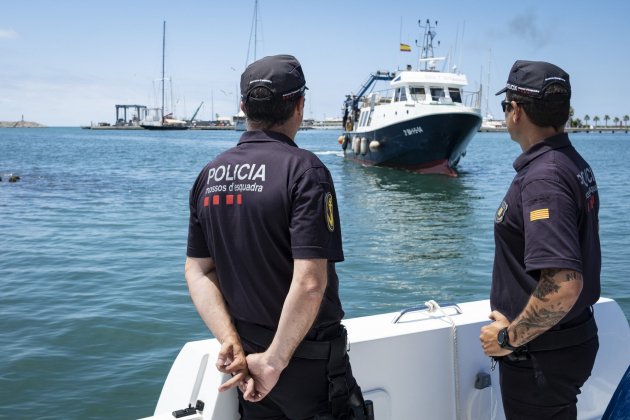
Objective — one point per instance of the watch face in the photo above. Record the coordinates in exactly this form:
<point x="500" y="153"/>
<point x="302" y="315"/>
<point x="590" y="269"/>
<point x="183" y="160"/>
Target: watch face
<point x="502" y="337"/>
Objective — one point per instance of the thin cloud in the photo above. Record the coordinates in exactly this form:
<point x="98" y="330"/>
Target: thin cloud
<point x="8" y="34"/>
<point x="526" y="27"/>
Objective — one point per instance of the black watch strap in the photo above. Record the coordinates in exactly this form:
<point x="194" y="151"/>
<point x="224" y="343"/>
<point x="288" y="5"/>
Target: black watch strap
<point x="503" y="338"/>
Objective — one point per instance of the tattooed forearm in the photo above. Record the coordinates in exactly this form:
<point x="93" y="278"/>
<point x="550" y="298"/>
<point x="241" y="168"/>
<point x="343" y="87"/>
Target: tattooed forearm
<point x="535" y="321"/>
<point x="553" y="298"/>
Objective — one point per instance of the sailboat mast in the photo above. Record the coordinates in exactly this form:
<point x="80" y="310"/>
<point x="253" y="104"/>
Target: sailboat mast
<point x="488" y="89"/>
<point x="253" y="33"/>
<point x="255" y="28"/>
<point x="163" y="49"/>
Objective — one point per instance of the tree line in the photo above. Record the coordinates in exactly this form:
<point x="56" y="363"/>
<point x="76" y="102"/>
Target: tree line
<point x="617" y="122"/>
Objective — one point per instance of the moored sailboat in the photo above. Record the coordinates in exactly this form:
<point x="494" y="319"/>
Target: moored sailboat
<point x="164" y="121"/>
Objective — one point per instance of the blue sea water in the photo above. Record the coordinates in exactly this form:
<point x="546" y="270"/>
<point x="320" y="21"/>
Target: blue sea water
<point x="93" y="303"/>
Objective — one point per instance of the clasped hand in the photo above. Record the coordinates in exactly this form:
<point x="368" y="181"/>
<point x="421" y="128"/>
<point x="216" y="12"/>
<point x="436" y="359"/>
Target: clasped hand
<point x="254" y="375"/>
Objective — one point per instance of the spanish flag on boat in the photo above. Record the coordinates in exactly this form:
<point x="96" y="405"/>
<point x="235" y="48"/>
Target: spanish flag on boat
<point x="405" y="47"/>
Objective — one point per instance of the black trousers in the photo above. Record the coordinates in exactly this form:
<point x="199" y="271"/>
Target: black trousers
<point x="300" y="394"/>
<point x="546" y="385"/>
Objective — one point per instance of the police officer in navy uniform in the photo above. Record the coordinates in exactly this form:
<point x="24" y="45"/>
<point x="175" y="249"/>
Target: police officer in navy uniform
<point x="263" y="239"/>
<point x="546" y="274"/>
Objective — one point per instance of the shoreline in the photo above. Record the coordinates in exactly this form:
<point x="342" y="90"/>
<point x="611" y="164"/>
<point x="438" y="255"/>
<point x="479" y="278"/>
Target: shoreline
<point x="20" y="124"/>
<point x="567" y="130"/>
<point x="137" y="127"/>
<point x="32" y="124"/>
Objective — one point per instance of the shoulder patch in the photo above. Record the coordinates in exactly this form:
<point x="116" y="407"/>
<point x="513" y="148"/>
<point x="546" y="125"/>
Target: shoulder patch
<point x="498" y="217"/>
<point x="539" y="214"/>
<point x="329" y="211"/>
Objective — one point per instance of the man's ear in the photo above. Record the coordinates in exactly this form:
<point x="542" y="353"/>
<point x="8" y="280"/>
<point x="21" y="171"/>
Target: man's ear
<point x="242" y="106"/>
<point x="517" y="111"/>
<point x="300" y="105"/>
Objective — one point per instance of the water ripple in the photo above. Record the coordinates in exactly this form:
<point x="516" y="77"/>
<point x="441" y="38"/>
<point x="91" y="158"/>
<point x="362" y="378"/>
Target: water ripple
<point x="93" y="303"/>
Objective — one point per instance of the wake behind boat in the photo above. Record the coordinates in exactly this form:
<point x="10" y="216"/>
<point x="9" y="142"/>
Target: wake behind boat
<point x="423" y="123"/>
<point x="418" y="363"/>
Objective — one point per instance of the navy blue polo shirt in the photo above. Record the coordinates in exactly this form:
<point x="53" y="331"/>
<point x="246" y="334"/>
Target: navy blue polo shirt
<point x="254" y="209"/>
<point x="548" y="219"/>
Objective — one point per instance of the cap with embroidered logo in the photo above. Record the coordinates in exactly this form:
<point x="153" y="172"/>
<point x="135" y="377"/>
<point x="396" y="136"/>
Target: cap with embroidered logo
<point x="532" y="78"/>
<point x="281" y="75"/>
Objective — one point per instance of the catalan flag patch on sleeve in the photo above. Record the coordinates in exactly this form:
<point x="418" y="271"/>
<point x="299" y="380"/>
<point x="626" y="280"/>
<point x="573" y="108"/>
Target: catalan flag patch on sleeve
<point x="539" y="214"/>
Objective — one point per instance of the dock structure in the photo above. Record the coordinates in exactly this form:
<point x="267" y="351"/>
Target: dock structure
<point x="140" y="114"/>
<point x="137" y="113"/>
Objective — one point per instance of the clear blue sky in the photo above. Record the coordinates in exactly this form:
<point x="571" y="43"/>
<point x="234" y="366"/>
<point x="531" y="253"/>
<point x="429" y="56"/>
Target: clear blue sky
<point x="69" y="62"/>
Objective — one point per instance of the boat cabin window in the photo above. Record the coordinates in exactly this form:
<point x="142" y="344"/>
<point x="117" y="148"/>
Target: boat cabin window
<point x="400" y="95"/>
<point x="366" y="118"/>
<point x="362" y="119"/>
<point x="437" y="93"/>
<point x="455" y="94"/>
<point x="417" y="94"/>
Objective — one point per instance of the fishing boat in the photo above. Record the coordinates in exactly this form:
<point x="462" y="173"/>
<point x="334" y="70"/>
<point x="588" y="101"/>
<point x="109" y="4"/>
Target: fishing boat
<point x="422" y="123"/>
<point x="420" y="362"/>
<point x="160" y="120"/>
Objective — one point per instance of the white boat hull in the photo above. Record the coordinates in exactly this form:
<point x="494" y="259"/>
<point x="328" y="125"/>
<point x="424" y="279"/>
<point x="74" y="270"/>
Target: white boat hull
<point x="423" y="366"/>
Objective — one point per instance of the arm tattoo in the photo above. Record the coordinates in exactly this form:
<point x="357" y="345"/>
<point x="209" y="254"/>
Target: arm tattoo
<point x="535" y="321"/>
<point x="548" y="284"/>
<point x="539" y="317"/>
<point x="573" y="275"/>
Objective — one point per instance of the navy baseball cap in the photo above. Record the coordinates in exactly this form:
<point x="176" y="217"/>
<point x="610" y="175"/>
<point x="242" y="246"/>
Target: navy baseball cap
<point x="281" y="75"/>
<point x="531" y="78"/>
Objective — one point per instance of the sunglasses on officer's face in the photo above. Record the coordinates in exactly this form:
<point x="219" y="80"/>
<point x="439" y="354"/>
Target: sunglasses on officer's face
<point x="507" y="105"/>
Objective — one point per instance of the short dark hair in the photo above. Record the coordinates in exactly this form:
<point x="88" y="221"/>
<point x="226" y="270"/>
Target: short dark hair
<point x="552" y="110"/>
<point x="263" y="110"/>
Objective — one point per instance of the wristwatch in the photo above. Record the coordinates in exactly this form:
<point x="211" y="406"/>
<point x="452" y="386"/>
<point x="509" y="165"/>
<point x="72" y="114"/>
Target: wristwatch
<point x="504" y="340"/>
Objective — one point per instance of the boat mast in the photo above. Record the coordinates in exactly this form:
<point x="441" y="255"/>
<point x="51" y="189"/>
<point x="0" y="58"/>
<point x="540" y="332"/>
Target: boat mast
<point x="255" y="29"/>
<point x="426" y="50"/>
<point x="488" y="88"/>
<point x="163" y="49"/>
<point x="253" y="32"/>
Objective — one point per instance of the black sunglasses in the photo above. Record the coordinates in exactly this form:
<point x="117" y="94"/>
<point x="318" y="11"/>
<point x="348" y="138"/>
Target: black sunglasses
<point x="507" y="105"/>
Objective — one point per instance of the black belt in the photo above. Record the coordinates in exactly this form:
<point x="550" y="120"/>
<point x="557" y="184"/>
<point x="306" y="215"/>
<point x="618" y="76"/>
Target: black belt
<point x="567" y="337"/>
<point x="307" y="349"/>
